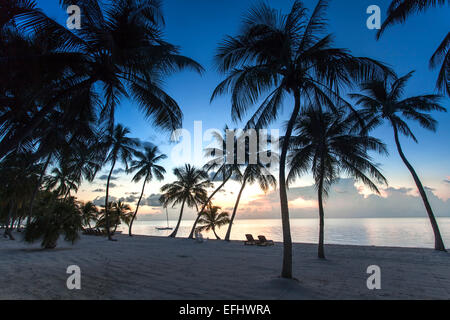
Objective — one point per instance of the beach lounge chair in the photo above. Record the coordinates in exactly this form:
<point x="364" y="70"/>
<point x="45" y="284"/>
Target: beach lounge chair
<point x="250" y="240"/>
<point x="264" y="242"/>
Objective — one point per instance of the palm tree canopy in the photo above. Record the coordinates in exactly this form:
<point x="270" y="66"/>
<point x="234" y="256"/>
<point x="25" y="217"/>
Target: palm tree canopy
<point x="281" y="54"/>
<point x="383" y="100"/>
<point x="190" y="187"/>
<point x="325" y="145"/>
<point x="213" y="218"/>
<point x="146" y="165"/>
<point x="122" y="147"/>
<point x="399" y="11"/>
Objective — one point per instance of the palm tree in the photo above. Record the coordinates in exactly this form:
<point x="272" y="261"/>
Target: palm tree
<point x="252" y="174"/>
<point x="212" y="219"/>
<point x="276" y="55"/>
<point x="89" y="213"/>
<point x="399" y="11"/>
<point x="121" y="148"/>
<point x="118" y="212"/>
<point x="147" y="168"/>
<point x="189" y="189"/>
<point x="118" y="53"/>
<point x="62" y="180"/>
<point x="324" y="144"/>
<point x="382" y="101"/>
<point x="224" y="169"/>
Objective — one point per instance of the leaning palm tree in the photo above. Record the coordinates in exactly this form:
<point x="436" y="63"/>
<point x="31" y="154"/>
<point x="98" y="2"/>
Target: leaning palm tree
<point x="278" y="55"/>
<point x="122" y="149"/>
<point x="399" y="11"/>
<point x="221" y="164"/>
<point x="383" y="101"/>
<point x="147" y="168"/>
<point x="190" y="189"/>
<point x="212" y="219"/>
<point x="253" y="173"/>
<point x="324" y="144"/>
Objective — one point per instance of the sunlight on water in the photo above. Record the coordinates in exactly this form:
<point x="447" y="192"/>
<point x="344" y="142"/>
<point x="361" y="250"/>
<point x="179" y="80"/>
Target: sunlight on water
<point x="407" y="232"/>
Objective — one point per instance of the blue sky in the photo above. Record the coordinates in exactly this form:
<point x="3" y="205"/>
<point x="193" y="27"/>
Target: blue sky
<point x="198" y="26"/>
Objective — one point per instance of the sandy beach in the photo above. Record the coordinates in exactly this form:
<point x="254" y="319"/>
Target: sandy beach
<point x="161" y="268"/>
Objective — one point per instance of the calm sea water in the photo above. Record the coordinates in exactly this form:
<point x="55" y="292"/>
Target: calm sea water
<point x="395" y="232"/>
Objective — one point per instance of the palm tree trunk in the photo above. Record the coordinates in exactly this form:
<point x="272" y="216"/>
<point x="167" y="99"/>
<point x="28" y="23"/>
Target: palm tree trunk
<point x="286" y="271"/>
<point x="227" y="237"/>
<point x="438" y="242"/>
<point x="8" y="232"/>
<point x="321" y="252"/>
<point x="106" y="201"/>
<point x="191" y="235"/>
<point x="137" y="208"/>
<point x="214" y="230"/>
<point x="38" y="185"/>
<point x="174" y="233"/>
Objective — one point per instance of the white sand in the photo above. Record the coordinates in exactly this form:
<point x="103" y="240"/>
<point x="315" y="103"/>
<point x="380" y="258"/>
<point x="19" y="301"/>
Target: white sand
<point x="161" y="268"/>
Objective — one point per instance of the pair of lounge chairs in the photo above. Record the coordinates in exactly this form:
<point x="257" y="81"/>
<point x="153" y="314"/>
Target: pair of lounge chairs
<point x="94" y="232"/>
<point x="262" y="241"/>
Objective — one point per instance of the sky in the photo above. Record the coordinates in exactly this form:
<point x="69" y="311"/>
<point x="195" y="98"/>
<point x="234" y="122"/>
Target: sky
<point x="198" y="26"/>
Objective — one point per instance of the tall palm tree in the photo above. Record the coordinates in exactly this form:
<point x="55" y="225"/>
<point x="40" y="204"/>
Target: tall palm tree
<point x="189" y="189"/>
<point x="147" y="168"/>
<point x="324" y="144"/>
<point x="121" y="149"/>
<point x="278" y="55"/>
<point x="399" y="11"/>
<point x="212" y="219"/>
<point x="253" y="173"/>
<point x="224" y="168"/>
<point x="383" y="101"/>
<point x="118" y="53"/>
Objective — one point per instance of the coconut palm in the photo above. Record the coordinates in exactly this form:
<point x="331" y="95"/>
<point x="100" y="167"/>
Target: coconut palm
<point x="383" y="101"/>
<point x="121" y="149"/>
<point x="147" y="169"/>
<point x="189" y="189"/>
<point x="54" y="217"/>
<point x="118" y="53"/>
<point x="254" y="173"/>
<point x="221" y="164"/>
<point x="324" y="144"/>
<point x="118" y="212"/>
<point x="62" y="180"/>
<point x="399" y="11"/>
<point x="212" y="219"/>
<point x="89" y="213"/>
<point x="278" y="55"/>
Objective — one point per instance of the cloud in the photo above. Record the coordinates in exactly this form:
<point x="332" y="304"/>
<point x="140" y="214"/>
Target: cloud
<point x="118" y="171"/>
<point x="105" y="177"/>
<point x="112" y="185"/>
<point x="447" y="180"/>
<point x="346" y="201"/>
<point x="100" y="201"/>
<point x="99" y="190"/>
<point x="152" y="201"/>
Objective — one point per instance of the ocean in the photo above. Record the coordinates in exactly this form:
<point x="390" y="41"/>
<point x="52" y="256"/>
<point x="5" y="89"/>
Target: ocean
<point x="391" y="232"/>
